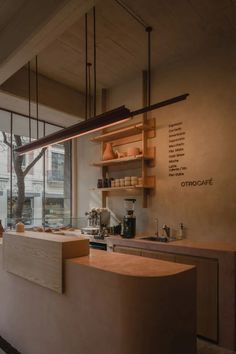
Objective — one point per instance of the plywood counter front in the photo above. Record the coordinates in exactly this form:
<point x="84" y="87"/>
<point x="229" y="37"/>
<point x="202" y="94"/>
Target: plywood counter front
<point x="113" y="303"/>
<point x="216" y="279"/>
<point x="39" y="256"/>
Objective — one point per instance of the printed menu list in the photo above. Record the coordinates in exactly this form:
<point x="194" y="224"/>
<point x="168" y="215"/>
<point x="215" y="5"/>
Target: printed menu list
<point x="177" y="137"/>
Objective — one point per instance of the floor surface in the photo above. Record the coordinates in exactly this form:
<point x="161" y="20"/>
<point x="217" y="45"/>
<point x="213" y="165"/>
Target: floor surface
<point x="203" y="348"/>
<point x="208" y="348"/>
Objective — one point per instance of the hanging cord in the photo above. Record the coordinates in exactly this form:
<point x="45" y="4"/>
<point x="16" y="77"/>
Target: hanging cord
<point x="37" y="94"/>
<point x="11" y="170"/>
<point x="89" y="89"/>
<point x="29" y="93"/>
<point x="149" y="30"/>
<point x="86" y="69"/>
<point x="132" y="13"/>
<point x="44" y="178"/>
<point x="94" y="64"/>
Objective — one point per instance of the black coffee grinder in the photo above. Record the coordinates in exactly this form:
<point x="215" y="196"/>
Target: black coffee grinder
<point x="129" y="220"/>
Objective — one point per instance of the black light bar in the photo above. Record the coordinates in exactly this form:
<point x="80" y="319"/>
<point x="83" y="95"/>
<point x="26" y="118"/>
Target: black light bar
<point x="99" y="122"/>
<point x="104" y="120"/>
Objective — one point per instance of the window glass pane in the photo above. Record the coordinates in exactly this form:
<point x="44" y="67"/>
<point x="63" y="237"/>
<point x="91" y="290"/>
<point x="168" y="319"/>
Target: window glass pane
<point x="5" y="121"/>
<point x="27" y="176"/>
<point x="58" y="185"/>
<point x="22" y="127"/>
<point x="5" y="154"/>
<point x="27" y="202"/>
<point x="51" y="129"/>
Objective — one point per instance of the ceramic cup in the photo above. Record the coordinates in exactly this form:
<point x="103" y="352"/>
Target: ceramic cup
<point x="133" y="151"/>
<point x="117" y="182"/>
<point x="122" y="182"/>
<point x="134" y="181"/>
<point x="140" y="181"/>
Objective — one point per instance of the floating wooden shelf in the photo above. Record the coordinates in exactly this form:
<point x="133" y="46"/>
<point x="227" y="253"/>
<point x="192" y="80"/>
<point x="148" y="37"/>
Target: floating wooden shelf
<point x="124" y="132"/>
<point x="122" y="160"/>
<point x="150" y="184"/>
<point x="111" y="189"/>
<point x="137" y="133"/>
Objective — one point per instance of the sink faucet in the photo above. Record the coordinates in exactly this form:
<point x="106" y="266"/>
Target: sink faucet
<point x="157" y="226"/>
<point x="167" y="230"/>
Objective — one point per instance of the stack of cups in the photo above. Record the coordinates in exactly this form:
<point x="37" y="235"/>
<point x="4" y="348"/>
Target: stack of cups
<point x="122" y="182"/>
<point x="140" y="181"/>
<point x="134" y="181"/>
<point x="127" y="181"/>
<point x="117" y="182"/>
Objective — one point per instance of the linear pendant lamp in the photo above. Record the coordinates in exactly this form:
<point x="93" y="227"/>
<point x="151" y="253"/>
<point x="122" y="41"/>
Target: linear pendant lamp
<point x="105" y="120"/>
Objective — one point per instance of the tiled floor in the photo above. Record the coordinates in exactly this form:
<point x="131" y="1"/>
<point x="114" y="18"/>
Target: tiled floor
<point x="208" y="348"/>
<point x="203" y="348"/>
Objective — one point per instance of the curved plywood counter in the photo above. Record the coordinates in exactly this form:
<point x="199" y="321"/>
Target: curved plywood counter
<point x="131" y="265"/>
<point x="216" y="272"/>
<point x="113" y="303"/>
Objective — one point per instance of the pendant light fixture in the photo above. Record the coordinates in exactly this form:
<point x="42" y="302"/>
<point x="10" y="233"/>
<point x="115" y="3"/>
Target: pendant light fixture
<point x="107" y="119"/>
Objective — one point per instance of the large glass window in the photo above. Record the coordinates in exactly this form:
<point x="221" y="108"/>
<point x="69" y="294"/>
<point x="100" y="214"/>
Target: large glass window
<point x="58" y="185"/>
<point x="35" y="187"/>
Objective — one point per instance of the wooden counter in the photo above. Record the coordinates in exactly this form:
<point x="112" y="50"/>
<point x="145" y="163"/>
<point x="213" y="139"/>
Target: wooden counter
<point x="216" y="280"/>
<point x="39" y="256"/>
<point x="131" y="266"/>
<point x="112" y="303"/>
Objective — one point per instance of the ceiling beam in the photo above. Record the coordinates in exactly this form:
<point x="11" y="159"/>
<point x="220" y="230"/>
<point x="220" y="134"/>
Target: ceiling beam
<point x="52" y="94"/>
<point x="17" y="105"/>
<point x="36" y="25"/>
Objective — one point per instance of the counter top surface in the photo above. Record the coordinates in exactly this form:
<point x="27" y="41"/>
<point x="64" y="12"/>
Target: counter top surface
<point x="207" y="245"/>
<point x="129" y="265"/>
<point x="67" y="236"/>
<point x="214" y="246"/>
<point x="47" y="236"/>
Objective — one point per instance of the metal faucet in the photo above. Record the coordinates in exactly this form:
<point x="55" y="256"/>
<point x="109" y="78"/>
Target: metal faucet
<point x="157" y="226"/>
<point x="167" y="230"/>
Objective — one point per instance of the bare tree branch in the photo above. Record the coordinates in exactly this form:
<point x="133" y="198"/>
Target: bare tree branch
<point x="5" y="140"/>
<point x="18" y="140"/>
<point x="37" y="158"/>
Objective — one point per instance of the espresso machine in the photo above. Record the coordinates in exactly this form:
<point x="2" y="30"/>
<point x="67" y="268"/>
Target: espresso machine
<point x="129" y="220"/>
<point x="97" y="219"/>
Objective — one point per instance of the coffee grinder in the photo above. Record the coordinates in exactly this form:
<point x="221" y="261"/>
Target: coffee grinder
<point x="129" y="220"/>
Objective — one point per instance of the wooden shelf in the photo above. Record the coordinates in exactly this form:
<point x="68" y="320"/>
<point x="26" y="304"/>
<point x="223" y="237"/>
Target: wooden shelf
<point x="150" y="184"/>
<point x="123" y="160"/>
<point x="137" y="133"/>
<point x="111" y="189"/>
<point x="123" y="132"/>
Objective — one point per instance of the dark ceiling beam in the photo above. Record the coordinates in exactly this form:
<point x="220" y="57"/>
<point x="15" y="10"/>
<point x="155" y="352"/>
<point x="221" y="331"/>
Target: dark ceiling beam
<point x="51" y="93"/>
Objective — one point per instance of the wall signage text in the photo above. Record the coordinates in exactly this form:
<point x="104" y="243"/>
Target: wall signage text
<point x="176" y="149"/>
<point x="197" y="183"/>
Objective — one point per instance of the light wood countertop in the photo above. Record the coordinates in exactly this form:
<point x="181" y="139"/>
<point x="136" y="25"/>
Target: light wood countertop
<point x="137" y="305"/>
<point x="167" y="246"/>
<point x="129" y="265"/>
<point x="46" y="236"/>
<point x="39" y="257"/>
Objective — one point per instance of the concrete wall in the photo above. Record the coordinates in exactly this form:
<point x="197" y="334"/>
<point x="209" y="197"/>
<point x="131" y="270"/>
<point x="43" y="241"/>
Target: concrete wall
<point x="208" y="120"/>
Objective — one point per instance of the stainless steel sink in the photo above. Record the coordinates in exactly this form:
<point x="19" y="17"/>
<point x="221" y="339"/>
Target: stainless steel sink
<point x="155" y="238"/>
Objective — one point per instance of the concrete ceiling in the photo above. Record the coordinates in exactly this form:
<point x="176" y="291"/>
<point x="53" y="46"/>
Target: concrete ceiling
<point x="54" y="30"/>
<point x="8" y="10"/>
<point x="181" y="29"/>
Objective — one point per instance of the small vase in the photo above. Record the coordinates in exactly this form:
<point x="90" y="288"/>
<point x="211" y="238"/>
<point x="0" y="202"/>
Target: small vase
<point x="108" y="153"/>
